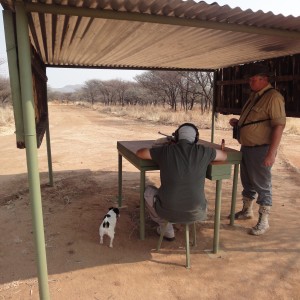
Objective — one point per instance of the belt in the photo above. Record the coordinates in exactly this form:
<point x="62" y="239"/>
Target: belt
<point x="255" y="146"/>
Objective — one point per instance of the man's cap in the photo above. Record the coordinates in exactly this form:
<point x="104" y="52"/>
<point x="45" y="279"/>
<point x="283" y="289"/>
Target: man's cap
<point x="187" y="132"/>
<point x="259" y="69"/>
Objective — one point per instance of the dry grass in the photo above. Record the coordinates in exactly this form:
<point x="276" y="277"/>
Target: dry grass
<point x="159" y="114"/>
<point x="166" y="116"/>
<point x="155" y="114"/>
<point x="6" y="119"/>
<point x="292" y="126"/>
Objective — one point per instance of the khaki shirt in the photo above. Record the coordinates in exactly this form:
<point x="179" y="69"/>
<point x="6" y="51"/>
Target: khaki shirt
<point x="270" y="106"/>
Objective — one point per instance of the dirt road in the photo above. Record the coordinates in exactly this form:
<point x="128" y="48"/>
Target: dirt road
<point x="85" y="173"/>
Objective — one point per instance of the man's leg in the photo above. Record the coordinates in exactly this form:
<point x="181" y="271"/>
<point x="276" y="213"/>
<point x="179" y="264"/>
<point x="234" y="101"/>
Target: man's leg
<point x="149" y="195"/>
<point x="263" y="185"/>
<point x="247" y="210"/>
<point x="249" y="192"/>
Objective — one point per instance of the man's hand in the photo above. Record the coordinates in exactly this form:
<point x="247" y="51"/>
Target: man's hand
<point x="233" y="121"/>
<point x="220" y="155"/>
<point x="143" y="153"/>
<point x="269" y="160"/>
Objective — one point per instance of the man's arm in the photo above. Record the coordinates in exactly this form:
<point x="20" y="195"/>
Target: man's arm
<point x="220" y="155"/>
<point x="275" y="141"/>
<point x="144" y="153"/>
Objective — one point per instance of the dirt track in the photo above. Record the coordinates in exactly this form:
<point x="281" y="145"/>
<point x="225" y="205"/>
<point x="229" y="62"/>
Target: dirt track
<point x="85" y="174"/>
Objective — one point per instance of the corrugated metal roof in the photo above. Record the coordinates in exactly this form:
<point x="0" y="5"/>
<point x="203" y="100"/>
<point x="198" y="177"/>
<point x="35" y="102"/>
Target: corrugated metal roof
<point x="168" y="34"/>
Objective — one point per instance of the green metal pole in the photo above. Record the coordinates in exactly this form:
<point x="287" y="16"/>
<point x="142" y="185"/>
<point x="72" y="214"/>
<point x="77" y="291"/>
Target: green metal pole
<point x="50" y="170"/>
<point x="217" y="216"/>
<point x="214" y="108"/>
<point x="234" y="192"/>
<point x="187" y="247"/>
<point x="120" y="179"/>
<point x="13" y="70"/>
<point x="31" y="146"/>
<point x="142" y="204"/>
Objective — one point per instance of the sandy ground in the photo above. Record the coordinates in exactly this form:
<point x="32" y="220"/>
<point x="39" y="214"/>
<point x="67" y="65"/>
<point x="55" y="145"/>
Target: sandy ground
<point x="85" y="174"/>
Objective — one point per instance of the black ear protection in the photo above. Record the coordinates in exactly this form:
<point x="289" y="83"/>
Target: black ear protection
<point x="176" y="133"/>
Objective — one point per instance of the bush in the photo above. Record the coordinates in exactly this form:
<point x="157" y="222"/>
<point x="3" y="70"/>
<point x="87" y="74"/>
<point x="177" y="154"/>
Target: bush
<point x="6" y="119"/>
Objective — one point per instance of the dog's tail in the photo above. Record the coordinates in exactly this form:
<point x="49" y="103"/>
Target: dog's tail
<point x="105" y="221"/>
<point x="105" y="224"/>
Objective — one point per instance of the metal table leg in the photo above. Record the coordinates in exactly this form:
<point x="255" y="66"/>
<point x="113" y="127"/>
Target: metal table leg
<point x="217" y="216"/>
<point x="120" y="179"/>
<point x="234" y="191"/>
<point x="142" y="205"/>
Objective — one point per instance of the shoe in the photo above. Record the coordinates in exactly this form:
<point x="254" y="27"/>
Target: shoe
<point x="259" y="229"/>
<point x="243" y="215"/>
<point x="168" y="236"/>
<point x="246" y="212"/>
<point x="263" y="221"/>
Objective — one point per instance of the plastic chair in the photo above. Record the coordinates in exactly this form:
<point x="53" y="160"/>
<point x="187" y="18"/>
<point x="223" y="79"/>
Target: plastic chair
<point x="187" y="240"/>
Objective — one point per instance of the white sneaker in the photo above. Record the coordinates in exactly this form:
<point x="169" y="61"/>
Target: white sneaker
<point x="169" y="234"/>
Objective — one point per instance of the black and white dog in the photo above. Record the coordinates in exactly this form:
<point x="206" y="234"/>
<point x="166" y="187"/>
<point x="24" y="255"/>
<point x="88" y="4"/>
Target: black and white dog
<point x="108" y="225"/>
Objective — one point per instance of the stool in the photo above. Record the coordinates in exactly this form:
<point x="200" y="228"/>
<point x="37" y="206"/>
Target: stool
<point x="187" y="240"/>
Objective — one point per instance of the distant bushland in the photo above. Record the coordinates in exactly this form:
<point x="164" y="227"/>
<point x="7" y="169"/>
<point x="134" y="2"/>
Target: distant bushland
<point x="157" y="114"/>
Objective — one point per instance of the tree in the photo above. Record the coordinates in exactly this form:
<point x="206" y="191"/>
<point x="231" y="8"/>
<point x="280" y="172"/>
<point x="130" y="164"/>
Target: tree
<point x="163" y="84"/>
<point x="5" y="93"/>
<point x="108" y="91"/>
<point x="91" y="90"/>
<point x="121" y="87"/>
<point x="204" y="91"/>
<point x="187" y="91"/>
<point x="134" y="94"/>
<point x="150" y="88"/>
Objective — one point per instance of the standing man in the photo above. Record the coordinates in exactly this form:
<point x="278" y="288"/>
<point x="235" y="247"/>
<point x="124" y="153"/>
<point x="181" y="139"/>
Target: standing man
<point x="259" y="131"/>
<point x="183" y="164"/>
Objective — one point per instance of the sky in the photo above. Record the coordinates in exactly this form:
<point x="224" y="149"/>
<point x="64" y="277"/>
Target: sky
<point x="58" y="77"/>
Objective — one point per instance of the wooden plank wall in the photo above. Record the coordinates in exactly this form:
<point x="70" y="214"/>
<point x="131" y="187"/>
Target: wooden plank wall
<point x="39" y="80"/>
<point x="233" y="89"/>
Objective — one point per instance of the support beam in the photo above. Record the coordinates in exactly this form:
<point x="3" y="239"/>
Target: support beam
<point x="31" y="146"/>
<point x="214" y="103"/>
<point x="49" y="155"/>
<point x="12" y="59"/>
